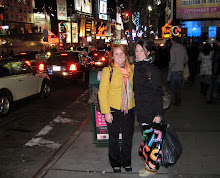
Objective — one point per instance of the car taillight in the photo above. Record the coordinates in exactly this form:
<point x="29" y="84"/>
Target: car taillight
<point x="103" y="58"/>
<point x="64" y="54"/>
<point x="28" y="63"/>
<point x="41" y="67"/>
<point x="95" y="54"/>
<point x="72" y="67"/>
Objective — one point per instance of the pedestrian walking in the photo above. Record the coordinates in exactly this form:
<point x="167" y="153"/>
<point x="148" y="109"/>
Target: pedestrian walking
<point x="216" y="73"/>
<point x="205" y="58"/>
<point x="116" y="100"/>
<point x="148" y="91"/>
<point x="178" y="58"/>
<point x="193" y="54"/>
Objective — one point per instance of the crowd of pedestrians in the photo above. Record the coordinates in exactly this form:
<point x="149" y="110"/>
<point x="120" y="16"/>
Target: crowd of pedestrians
<point x="126" y="89"/>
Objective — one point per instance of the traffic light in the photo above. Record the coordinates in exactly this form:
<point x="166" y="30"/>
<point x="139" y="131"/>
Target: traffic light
<point x="63" y="37"/>
<point x="126" y="16"/>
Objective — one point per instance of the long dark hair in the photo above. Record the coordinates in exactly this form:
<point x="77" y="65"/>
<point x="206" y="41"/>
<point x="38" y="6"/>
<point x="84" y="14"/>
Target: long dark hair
<point x="147" y="45"/>
<point x="206" y="49"/>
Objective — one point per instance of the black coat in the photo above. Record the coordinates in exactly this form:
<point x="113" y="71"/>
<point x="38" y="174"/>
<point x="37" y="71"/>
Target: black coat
<point x="216" y="62"/>
<point x="148" y="93"/>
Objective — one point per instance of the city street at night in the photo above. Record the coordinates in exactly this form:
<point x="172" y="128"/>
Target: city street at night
<point x="79" y="77"/>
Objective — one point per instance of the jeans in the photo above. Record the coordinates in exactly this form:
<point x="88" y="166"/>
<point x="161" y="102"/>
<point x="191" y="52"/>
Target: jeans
<point x="121" y="156"/>
<point x="215" y="88"/>
<point x="176" y="80"/>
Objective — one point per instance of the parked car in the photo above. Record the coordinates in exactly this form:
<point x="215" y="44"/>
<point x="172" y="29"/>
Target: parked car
<point x="67" y="65"/>
<point x="99" y="58"/>
<point x="34" y="59"/>
<point x="85" y="49"/>
<point x="18" y="80"/>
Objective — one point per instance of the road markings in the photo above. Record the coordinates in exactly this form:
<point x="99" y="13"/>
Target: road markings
<point x="42" y="142"/>
<point x="62" y="120"/>
<point x="39" y="141"/>
<point x="45" y="130"/>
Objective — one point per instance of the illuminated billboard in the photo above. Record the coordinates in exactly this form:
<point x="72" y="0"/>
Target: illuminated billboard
<point x="68" y="31"/>
<point x="103" y="9"/>
<point x="197" y="9"/>
<point x="83" y="5"/>
<point x="61" y="10"/>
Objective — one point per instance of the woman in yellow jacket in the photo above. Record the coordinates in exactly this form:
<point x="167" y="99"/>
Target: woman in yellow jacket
<point x="116" y="100"/>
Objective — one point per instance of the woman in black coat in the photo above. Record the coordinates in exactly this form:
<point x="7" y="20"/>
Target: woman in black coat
<point x="147" y="88"/>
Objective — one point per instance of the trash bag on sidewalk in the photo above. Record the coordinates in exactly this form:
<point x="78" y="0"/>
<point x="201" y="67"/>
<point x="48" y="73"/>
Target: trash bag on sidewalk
<point x="151" y="146"/>
<point x="171" y="149"/>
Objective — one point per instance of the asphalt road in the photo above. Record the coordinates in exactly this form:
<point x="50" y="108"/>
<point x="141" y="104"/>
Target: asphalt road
<point x="36" y="128"/>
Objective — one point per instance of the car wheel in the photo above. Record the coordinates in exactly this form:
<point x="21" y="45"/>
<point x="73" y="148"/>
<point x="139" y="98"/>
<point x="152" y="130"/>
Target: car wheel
<point x="5" y="103"/>
<point x="45" y="89"/>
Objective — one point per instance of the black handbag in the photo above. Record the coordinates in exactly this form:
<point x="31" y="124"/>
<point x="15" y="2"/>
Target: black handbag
<point x="171" y="149"/>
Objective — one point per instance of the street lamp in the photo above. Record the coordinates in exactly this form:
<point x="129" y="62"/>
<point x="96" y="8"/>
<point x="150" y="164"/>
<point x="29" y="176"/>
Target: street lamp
<point x="149" y="9"/>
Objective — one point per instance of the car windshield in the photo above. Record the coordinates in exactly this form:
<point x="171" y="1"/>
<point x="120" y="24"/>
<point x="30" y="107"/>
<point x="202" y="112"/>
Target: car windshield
<point x="4" y="69"/>
<point x="73" y="57"/>
<point x="82" y="49"/>
<point x="96" y="53"/>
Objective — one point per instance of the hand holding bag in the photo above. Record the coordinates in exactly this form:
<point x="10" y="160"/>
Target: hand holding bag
<point x="171" y="149"/>
<point x="151" y="146"/>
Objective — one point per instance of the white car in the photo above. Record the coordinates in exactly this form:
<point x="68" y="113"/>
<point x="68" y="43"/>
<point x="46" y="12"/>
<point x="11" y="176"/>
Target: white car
<point x="18" y="80"/>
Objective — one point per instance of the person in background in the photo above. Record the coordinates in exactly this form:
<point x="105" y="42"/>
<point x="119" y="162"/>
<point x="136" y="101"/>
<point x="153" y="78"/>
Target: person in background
<point x="216" y="73"/>
<point x="148" y="90"/>
<point x="178" y="58"/>
<point x="205" y="57"/>
<point x="116" y="100"/>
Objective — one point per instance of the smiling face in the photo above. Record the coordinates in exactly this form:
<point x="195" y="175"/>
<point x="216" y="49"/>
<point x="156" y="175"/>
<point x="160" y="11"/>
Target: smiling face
<point x="140" y="53"/>
<point x="119" y="56"/>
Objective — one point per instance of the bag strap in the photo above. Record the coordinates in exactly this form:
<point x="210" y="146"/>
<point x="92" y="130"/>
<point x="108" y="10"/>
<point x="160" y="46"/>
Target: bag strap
<point x="111" y="72"/>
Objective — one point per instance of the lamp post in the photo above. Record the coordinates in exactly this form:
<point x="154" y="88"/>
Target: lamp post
<point x="149" y="10"/>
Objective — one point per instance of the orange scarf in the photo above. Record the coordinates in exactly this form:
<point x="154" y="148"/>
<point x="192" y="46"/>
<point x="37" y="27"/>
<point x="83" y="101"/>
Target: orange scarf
<point x="126" y="86"/>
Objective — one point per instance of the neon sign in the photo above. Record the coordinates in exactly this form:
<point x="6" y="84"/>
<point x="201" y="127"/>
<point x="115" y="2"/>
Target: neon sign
<point x="169" y="31"/>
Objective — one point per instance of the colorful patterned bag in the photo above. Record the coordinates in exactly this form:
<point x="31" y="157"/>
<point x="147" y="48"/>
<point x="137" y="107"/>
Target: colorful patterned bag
<point x="150" y="149"/>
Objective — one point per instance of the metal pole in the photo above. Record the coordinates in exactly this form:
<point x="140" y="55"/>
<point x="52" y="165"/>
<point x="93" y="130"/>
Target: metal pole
<point x="130" y="28"/>
<point x="6" y="31"/>
<point x="71" y="32"/>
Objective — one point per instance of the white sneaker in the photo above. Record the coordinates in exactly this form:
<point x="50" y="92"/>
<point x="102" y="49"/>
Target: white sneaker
<point x="146" y="173"/>
<point x="142" y="170"/>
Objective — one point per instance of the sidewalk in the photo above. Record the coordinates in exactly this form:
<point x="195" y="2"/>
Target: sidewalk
<point x="196" y="123"/>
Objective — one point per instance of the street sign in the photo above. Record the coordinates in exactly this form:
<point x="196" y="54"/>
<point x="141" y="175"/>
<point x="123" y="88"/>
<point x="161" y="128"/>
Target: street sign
<point x="45" y="35"/>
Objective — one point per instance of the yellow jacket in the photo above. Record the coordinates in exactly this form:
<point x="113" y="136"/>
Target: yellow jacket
<point x="110" y="93"/>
